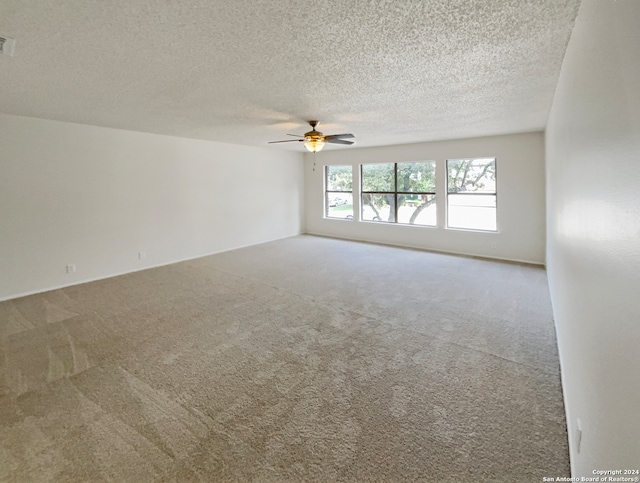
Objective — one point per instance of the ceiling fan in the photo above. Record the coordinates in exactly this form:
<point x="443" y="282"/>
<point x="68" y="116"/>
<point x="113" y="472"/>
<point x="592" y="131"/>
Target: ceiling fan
<point x="314" y="140"/>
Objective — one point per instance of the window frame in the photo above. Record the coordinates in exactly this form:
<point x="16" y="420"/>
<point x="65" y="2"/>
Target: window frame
<point x="327" y="191"/>
<point x="470" y="193"/>
<point x="396" y="193"/>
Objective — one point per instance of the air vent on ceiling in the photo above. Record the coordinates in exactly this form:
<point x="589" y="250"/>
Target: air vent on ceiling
<point x="6" y="45"/>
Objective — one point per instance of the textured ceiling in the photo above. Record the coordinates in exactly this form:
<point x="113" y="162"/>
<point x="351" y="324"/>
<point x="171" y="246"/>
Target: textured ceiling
<point x="250" y="71"/>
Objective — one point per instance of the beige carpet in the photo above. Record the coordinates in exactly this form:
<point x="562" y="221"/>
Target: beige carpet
<point x="305" y="359"/>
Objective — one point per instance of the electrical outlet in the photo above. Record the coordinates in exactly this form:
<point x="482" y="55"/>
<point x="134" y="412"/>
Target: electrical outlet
<point x="142" y="255"/>
<point x="578" y="435"/>
<point x="71" y="268"/>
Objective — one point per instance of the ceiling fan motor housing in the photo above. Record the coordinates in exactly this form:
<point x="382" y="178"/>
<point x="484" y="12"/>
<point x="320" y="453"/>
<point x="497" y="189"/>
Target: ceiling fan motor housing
<point x="313" y="134"/>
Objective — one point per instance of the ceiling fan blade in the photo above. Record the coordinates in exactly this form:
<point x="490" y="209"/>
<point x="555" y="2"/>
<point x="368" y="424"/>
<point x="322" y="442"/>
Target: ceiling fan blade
<point x="295" y="135"/>
<point x="287" y="141"/>
<point x="338" y="141"/>
<point x="340" y="136"/>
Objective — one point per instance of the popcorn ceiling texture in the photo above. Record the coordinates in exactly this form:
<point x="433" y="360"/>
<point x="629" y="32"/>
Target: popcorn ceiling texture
<point x="251" y="71"/>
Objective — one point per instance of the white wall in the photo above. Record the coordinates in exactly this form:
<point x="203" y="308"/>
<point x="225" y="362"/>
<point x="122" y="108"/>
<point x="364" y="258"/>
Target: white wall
<point x="593" y="175"/>
<point x="521" y="197"/>
<point x="95" y="197"/>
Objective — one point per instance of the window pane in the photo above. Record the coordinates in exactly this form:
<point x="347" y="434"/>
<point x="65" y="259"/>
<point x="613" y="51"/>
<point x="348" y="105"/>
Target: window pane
<point x="339" y="178"/>
<point x="339" y="205"/>
<point x="378" y="177"/>
<point x="378" y="207"/>
<point x="476" y="175"/>
<point x="414" y="177"/>
<point x="473" y="211"/>
<point x="417" y="210"/>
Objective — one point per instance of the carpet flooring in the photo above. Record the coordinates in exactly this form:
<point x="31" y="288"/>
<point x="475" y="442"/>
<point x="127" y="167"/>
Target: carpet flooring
<point x="303" y="359"/>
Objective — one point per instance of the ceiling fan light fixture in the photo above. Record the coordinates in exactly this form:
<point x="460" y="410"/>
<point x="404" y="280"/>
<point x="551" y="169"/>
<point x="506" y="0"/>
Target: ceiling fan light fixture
<point x="314" y="145"/>
<point x="314" y="140"/>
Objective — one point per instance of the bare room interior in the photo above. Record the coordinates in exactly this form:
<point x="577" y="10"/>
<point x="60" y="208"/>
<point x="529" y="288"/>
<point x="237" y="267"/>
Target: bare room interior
<point x="345" y="241"/>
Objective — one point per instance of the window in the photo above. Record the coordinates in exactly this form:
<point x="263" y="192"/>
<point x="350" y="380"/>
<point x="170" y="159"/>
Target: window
<point x="399" y="193"/>
<point x="338" y="195"/>
<point x="378" y="192"/>
<point x="471" y="194"/>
